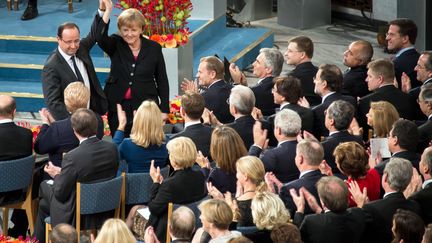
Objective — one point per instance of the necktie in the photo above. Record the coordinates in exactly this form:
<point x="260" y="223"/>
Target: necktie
<point x="77" y="72"/>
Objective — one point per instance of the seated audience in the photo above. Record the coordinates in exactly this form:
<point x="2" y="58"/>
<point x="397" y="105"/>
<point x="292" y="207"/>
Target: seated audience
<point x="352" y="161"/>
<point x="407" y="227"/>
<point x="226" y="147"/>
<point x="381" y="117"/>
<point x="182" y="225"/>
<point x="216" y="216"/>
<point x="146" y="142"/>
<point x="285" y="232"/>
<point x="183" y="186"/>
<point x="425" y="130"/>
<point x="114" y="231"/>
<point x="337" y="223"/>
<point x="268" y="210"/>
<point x="356" y="58"/>
<point x="63" y="233"/>
<point x="397" y="175"/>
<point x="281" y="159"/>
<point x="192" y="108"/>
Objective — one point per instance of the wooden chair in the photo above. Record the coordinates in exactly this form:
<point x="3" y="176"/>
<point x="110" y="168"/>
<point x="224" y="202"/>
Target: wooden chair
<point x="95" y="198"/>
<point x="18" y="175"/>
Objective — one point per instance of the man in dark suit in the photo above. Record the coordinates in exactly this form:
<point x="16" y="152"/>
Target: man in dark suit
<point x="337" y="223"/>
<point x="328" y="83"/>
<point x="93" y="160"/>
<point x="401" y="37"/>
<point x="380" y="80"/>
<point x="356" y="58"/>
<point x="309" y="155"/>
<point x="337" y="120"/>
<point x="425" y="130"/>
<point x="402" y="143"/>
<point x="15" y="143"/>
<point x="71" y="62"/>
<point x="299" y="53"/>
<point x="397" y="175"/>
<point x="267" y="65"/>
<point x="424" y="196"/>
<point x="192" y="107"/>
<point x="280" y="160"/>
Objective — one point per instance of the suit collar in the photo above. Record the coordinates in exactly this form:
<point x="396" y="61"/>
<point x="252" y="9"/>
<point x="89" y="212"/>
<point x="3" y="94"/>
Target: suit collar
<point x="386" y="87"/>
<point x="244" y="118"/>
<point x="304" y="65"/>
<point x="389" y="195"/>
<point x="427" y="184"/>
<point x="89" y="140"/>
<point x="6" y="121"/>
<point x="309" y="173"/>
<point x="192" y="123"/>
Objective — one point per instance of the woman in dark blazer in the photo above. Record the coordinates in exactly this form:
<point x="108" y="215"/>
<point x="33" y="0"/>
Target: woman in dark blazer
<point x="137" y="65"/>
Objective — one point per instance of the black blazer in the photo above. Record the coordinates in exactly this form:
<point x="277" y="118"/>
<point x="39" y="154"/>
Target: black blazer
<point x="346" y="227"/>
<point x="331" y="142"/>
<point x="424" y="199"/>
<point x="264" y="97"/>
<point x="425" y="132"/>
<point x="146" y="76"/>
<point x="200" y="135"/>
<point x="279" y="160"/>
<point x="308" y="181"/>
<point x="15" y="141"/>
<point x="380" y="213"/>
<point x="216" y="97"/>
<point x="182" y="187"/>
<point x="306" y="72"/>
<point x="93" y="160"/>
<point x="244" y="127"/>
<point x="319" y="117"/>
<point x="354" y="82"/>
<point x="406" y="63"/>
<point x="413" y="157"/>
<point x="57" y="75"/>
<point x="306" y="115"/>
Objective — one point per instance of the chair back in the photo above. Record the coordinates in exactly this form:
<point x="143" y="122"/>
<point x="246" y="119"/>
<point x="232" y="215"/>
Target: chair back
<point x="247" y="229"/>
<point x="16" y="174"/>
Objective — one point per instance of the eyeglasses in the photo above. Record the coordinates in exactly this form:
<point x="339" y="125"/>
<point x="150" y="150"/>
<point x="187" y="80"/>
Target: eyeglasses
<point x="70" y="42"/>
<point x="420" y="67"/>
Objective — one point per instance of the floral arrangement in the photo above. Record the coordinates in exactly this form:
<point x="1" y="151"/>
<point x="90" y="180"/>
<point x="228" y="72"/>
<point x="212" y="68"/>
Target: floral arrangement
<point x="8" y="239"/>
<point x="106" y="129"/>
<point x="35" y="129"/>
<point x="174" y="115"/>
<point x="165" y="19"/>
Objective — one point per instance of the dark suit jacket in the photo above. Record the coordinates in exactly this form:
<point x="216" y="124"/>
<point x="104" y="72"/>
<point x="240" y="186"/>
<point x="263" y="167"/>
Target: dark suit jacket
<point x="244" y="127"/>
<point x="354" y="82"/>
<point x="57" y="75"/>
<point x="413" y="157"/>
<point x="182" y="187"/>
<point x="279" y="160"/>
<point x="406" y="63"/>
<point x="424" y="199"/>
<point x="145" y="76"/>
<point x="334" y="227"/>
<point x="308" y="181"/>
<point x="425" y="132"/>
<point x="379" y="215"/>
<point x="401" y="101"/>
<point x="331" y="142"/>
<point x="200" y="135"/>
<point x="264" y="97"/>
<point x="306" y="72"/>
<point x="319" y="117"/>
<point x="306" y="115"/>
<point x="414" y="93"/>
<point x="93" y="160"/>
<point x="216" y="100"/>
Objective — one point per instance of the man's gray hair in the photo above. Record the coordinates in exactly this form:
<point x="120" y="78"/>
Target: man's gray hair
<point x="342" y="113"/>
<point x="273" y="58"/>
<point x="399" y="173"/>
<point x="289" y="122"/>
<point x="243" y="99"/>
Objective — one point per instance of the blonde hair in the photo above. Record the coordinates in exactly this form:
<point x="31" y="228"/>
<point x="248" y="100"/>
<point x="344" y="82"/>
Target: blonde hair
<point x="253" y="168"/>
<point x="384" y="114"/>
<point x="130" y="16"/>
<point x="217" y="212"/>
<point x="147" y="128"/>
<point x="226" y="147"/>
<point x="113" y="231"/>
<point x="384" y="68"/>
<point x="182" y="151"/>
<point x="214" y="64"/>
<point x="268" y="210"/>
<point x="76" y="95"/>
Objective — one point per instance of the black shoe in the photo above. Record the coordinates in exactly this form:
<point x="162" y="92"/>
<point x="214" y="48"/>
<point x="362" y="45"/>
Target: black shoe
<point x="30" y="13"/>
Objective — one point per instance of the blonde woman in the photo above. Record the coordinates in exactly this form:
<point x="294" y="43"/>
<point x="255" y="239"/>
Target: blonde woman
<point x="146" y="142"/>
<point x="381" y="117"/>
<point x="114" y="231"/>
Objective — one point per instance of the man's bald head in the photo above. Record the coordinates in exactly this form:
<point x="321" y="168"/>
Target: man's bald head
<point x="7" y="107"/>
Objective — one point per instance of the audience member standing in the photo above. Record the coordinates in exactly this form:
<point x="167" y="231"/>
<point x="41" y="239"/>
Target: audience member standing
<point x="137" y="65"/>
<point x="425" y="130"/>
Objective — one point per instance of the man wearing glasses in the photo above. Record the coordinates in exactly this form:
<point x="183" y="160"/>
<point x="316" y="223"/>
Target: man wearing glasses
<point x="71" y="62"/>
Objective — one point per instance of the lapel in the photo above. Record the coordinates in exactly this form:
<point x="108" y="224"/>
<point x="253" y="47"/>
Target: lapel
<point x="69" y="72"/>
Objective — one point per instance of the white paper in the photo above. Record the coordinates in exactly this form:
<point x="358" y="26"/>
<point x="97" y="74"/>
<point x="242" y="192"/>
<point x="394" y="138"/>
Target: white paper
<point x="379" y="145"/>
<point x="145" y="212"/>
